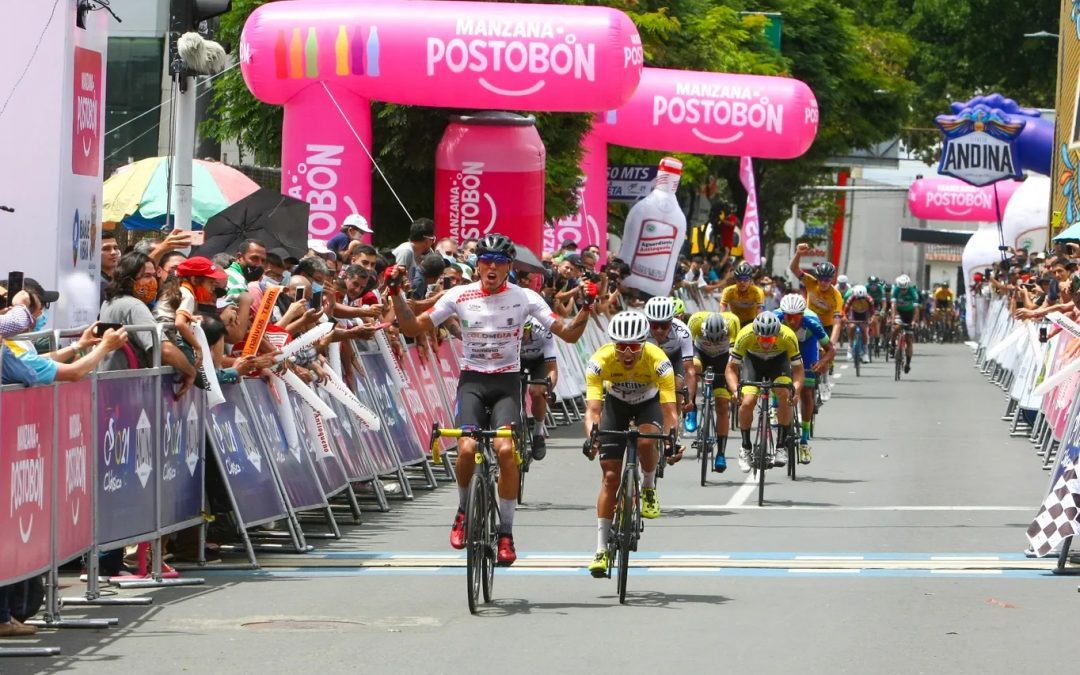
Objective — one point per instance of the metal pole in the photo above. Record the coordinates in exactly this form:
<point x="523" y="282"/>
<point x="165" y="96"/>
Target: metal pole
<point x="185" y="151"/>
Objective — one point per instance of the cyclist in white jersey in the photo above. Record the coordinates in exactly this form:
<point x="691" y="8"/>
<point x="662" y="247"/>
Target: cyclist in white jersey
<point x="538" y="361"/>
<point x="673" y="337"/>
<point x="492" y="313"/>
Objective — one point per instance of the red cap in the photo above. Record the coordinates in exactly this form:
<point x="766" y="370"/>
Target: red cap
<point x="199" y="266"/>
<point x="671" y="165"/>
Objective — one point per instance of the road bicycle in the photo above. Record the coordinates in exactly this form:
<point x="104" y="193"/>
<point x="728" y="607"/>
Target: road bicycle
<point x="627" y="524"/>
<point x="764" y="448"/>
<point x="902" y="336"/>
<point x="706" y="439"/>
<point x="481" y="508"/>
<point x="524" y="439"/>
<point x="858" y="348"/>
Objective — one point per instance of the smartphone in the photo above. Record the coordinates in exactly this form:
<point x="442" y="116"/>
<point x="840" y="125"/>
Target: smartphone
<point x="301" y="293"/>
<point x="198" y="237"/>
<point x="316" y="300"/>
<point x="446" y="283"/>
<point x="100" y="328"/>
<point x="14" y="285"/>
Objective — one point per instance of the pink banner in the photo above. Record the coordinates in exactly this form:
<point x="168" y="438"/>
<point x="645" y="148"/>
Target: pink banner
<point x="74" y="452"/>
<point x="422" y="379"/>
<point x="946" y="198"/>
<point x="751" y="243"/>
<point x="416" y="407"/>
<point x="26" y="436"/>
<point x="589" y="225"/>
<point x="449" y="372"/>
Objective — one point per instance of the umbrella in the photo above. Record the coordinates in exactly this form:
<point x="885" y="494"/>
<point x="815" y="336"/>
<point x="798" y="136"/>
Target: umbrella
<point x="137" y="194"/>
<point x="1071" y="233"/>
<point x="526" y="260"/>
<point x="267" y="216"/>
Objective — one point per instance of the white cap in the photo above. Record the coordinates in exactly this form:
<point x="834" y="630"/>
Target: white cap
<point x="358" y="221"/>
<point x="318" y="245"/>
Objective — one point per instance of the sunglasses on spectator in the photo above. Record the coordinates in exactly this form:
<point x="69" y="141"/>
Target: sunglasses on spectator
<point x="493" y="258"/>
<point x="628" y="347"/>
<point x="660" y="324"/>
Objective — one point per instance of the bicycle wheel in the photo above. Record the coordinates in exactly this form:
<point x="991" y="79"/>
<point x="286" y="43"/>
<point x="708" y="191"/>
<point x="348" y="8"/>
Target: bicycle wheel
<point x="628" y="527"/>
<point x="491" y="541"/>
<point x="793" y="443"/>
<point x="705" y="448"/>
<point x="898" y="358"/>
<point x="856" y="351"/>
<point x="761" y="450"/>
<point x="526" y="461"/>
<point x="476" y="541"/>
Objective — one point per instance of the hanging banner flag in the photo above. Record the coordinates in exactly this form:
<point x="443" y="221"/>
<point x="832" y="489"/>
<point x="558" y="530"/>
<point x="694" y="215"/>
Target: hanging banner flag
<point x="751" y="242"/>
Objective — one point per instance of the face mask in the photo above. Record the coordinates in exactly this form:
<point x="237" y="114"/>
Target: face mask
<point x="39" y="323"/>
<point x="471" y="260"/>
<point x="252" y="273"/>
<point x="220" y="292"/>
<point x="145" y="289"/>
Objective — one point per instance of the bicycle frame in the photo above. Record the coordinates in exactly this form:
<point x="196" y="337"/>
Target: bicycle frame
<point x="763" y="438"/>
<point x="524" y="441"/>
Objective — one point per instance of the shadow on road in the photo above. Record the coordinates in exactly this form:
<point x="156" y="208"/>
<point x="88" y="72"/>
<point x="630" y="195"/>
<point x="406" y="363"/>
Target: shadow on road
<point x="516" y="606"/>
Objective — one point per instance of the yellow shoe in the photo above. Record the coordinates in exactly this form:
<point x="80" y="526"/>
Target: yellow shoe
<point x="650" y="504"/>
<point x="599" y="565"/>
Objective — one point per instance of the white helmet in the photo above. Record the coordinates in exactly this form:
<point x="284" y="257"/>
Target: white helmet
<point x="714" y="328"/>
<point x="793" y="303"/>
<point x="859" y="291"/>
<point x="903" y="281"/>
<point x="842" y="280"/>
<point x="660" y="308"/>
<point x="766" y="324"/>
<point x="628" y="326"/>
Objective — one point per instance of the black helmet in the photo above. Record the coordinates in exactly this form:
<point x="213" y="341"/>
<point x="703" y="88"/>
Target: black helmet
<point x="497" y="244"/>
<point x="826" y="270"/>
<point x="872" y="279"/>
<point x="744" y="270"/>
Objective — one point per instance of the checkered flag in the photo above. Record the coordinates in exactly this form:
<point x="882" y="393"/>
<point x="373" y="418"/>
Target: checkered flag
<point x="1058" y="515"/>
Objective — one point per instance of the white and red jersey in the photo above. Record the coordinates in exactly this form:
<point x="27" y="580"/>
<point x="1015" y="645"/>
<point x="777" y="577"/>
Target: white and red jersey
<point x="491" y="323"/>
<point x="677" y="344"/>
<point x="538" y="342"/>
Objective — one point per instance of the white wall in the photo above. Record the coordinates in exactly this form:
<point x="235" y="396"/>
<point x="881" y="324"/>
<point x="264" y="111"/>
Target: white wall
<point x="873" y="238"/>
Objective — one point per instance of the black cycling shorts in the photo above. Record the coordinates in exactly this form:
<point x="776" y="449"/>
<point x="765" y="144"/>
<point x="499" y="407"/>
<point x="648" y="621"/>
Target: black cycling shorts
<point x="860" y="317"/>
<point x="536" y="368"/>
<point x="718" y="364"/>
<point x="907" y="316"/>
<point x="488" y="400"/>
<point x="616" y="417"/>
<point x="754" y="369"/>
<point x="677" y="365"/>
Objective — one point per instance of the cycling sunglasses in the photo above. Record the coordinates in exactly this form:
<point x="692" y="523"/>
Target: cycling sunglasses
<point x="493" y="258"/>
<point x="767" y="341"/>
<point x="798" y="315"/>
<point x="659" y="324"/>
<point x="628" y="347"/>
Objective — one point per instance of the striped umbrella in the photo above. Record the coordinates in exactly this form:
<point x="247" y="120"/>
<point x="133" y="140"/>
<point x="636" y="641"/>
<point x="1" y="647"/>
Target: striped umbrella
<point x="137" y="194"/>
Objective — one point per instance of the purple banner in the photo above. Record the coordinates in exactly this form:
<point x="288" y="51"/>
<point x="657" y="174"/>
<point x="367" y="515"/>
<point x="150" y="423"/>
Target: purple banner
<point x="26" y="453"/>
<point x="74" y="519"/>
<point x="316" y="437"/>
<point x="376" y="442"/>
<point x="125" y="458"/>
<point x="345" y="431"/>
<point x="183" y="467"/>
<point x="406" y="441"/>
<point x="293" y="463"/>
<point x="241" y="460"/>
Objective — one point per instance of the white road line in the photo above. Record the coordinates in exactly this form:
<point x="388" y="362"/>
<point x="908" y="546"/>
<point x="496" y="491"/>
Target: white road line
<point x="837" y="376"/>
<point x="823" y="570"/>
<point x="964" y="557"/>
<point x="423" y="556"/>
<point x="731" y="505"/>
<point x="829" y="557"/>
<point x="743" y="493"/>
<point x="693" y="556"/>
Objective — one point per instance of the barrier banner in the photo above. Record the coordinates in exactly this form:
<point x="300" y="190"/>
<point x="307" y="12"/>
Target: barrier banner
<point x="292" y="462"/>
<point x="183" y="468"/>
<point x="423" y="381"/>
<point x="349" y="453"/>
<point x="314" y="435"/>
<point x="377" y="443"/>
<point x="74" y="451"/>
<point x="406" y="439"/>
<point x="241" y="460"/>
<point x="418" y="408"/>
<point x="26" y="436"/>
<point x="126" y="490"/>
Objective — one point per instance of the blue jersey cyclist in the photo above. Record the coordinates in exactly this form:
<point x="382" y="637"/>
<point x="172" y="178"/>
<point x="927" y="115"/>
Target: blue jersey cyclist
<point x="817" y="353"/>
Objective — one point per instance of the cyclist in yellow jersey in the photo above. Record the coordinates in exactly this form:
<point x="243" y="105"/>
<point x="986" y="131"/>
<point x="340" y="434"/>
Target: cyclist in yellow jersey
<point x="766" y="350"/>
<point x="712" y="334"/>
<point x="641" y="388"/>
<point x="943" y="297"/>
<point x="821" y="294"/>
<point x="743" y="298"/>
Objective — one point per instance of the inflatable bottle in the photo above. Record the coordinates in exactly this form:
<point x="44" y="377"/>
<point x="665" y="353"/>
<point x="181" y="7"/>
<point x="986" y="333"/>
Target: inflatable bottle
<point x="654" y="233"/>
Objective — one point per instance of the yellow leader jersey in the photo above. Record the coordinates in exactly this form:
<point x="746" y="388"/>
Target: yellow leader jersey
<point x="827" y="305"/>
<point x="786" y="344"/>
<point x="651" y="372"/>
<point x="746" y="305"/>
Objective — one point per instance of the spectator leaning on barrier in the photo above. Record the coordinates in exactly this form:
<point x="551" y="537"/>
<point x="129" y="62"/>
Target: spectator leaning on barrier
<point x="133" y="288"/>
<point x="248" y="266"/>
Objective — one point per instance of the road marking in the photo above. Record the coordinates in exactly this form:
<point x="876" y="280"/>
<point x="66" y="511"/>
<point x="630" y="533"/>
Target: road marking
<point x="837" y="376"/>
<point x="692" y="556"/>
<point x="964" y="557"/>
<point x="731" y="506"/>
<point x="965" y="571"/>
<point x="829" y="557"/>
<point x="743" y="493"/>
<point x="844" y="367"/>
<point x="824" y="570"/>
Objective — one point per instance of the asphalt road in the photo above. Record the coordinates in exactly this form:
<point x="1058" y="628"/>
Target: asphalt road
<point x="897" y="551"/>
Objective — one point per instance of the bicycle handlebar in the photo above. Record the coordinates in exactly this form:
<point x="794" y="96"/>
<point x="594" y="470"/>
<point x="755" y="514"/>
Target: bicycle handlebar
<point x="474" y="433"/>
<point x="668" y="438"/>
<point x="766" y="385"/>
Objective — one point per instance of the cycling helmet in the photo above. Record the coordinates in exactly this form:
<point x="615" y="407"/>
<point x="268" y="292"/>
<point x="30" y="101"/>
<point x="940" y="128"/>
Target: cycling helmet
<point x="842" y="280"/>
<point x="766" y="324"/>
<point x="872" y="280"/>
<point x="859" y="291"/>
<point x="497" y="244"/>
<point x="793" y="303"/>
<point x="660" y="308"/>
<point x="945" y="284"/>
<point x="903" y="281"/>
<point x="680" y="307"/>
<point x="744" y="270"/>
<point x="628" y="326"/>
<point x="714" y="328"/>
<point x="825" y="270"/>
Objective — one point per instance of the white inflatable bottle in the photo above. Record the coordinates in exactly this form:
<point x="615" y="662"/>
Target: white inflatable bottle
<point x="654" y="234"/>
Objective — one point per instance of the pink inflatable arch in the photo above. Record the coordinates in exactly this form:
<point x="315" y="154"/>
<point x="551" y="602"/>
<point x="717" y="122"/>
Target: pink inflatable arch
<point x="947" y="198"/>
<point x="325" y="60"/>
<point x="686" y="111"/>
